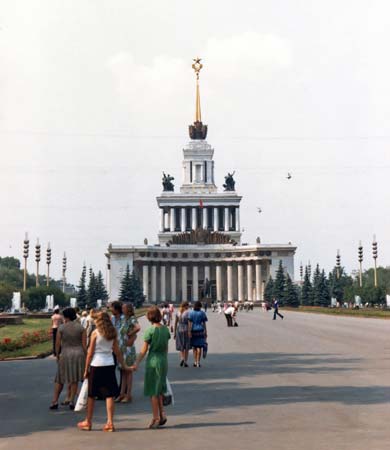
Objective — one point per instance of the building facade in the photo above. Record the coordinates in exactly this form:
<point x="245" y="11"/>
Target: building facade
<point x="199" y="251"/>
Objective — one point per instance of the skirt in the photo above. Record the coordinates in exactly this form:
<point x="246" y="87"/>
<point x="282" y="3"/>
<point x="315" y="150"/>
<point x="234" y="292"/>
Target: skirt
<point x="198" y="339"/>
<point x="102" y="382"/>
<point x="182" y="341"/>
<point x="71" y="366"/>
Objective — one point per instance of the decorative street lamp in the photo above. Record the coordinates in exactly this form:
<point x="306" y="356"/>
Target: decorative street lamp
<point x="48" y="261"/>
<point x="64" y="260"/>
<point x="309" y="269"/>
<point x="301" y="271"/>
<point x="26" y="246"/>
<point x="338" y="264"/>
<point x="375" y="256"/>
<point x="37" y="259"/>
<point x="360" y="257"/>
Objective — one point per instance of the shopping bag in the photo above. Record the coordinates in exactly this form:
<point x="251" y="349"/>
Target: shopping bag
<point x="83" y="397"/>
<point x="168" y="398"/>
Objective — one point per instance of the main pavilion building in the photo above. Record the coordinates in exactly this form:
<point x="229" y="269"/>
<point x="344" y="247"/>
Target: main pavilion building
<point x="199" y="251"/>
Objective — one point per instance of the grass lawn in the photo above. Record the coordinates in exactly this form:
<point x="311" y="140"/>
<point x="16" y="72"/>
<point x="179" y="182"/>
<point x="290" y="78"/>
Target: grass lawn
<point x="31" y="325"/>
<point x="372" y="312"/>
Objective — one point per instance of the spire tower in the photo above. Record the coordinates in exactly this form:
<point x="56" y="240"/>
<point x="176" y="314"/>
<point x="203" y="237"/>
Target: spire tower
<point x="198" y="131"/>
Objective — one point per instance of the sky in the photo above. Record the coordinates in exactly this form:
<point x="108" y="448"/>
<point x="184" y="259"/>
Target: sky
<point x="96" y="98"/>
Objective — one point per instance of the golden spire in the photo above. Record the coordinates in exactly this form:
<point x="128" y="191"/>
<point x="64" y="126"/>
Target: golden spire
<point x="197" y="66"/>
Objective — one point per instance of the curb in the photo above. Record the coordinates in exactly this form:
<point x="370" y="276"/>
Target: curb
<point x="26" y="358"/>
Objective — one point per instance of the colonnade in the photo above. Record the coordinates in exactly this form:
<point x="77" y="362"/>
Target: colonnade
<point x="230" y="218"/>
<point x="232" y="280"/>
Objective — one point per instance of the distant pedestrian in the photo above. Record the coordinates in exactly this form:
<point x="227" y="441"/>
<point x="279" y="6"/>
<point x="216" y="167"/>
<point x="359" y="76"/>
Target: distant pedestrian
<point x="183" y="344"/>
<point x="71" y="345"/>
<point x="100" y="370"/>
<point x="197" y="331"/>
<point x="276" y="309"/>
<point x="56" y="321"/>
<point x="155" y="345"/>
<point x="229" y="312"/>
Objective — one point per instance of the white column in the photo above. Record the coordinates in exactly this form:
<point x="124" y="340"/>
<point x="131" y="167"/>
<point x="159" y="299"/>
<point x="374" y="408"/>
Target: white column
<point x="204" y="218"/>
<point x="161" y="219"/>
<point x="194" y="224"/>
<point x="238" y="219"/>
<point x="226" y="219"/>
<point x="249" y="281"/>
<point x="216" y="217"/>
<point x="163" y="295"/>
<point x="240" y="282"/>
<point x="258" y="281"/>
<point x="172" y="219"/>
<point x="154" y="284"/>
<point x="230" y="282"/>
<point x="183" y="219"/>
<point x="173" y="283"/>
<point x="207" y="272"/>
<point x="195" y="283"/>
<point x="218" y="269"/>
<point x="145" y="281"/>
<point x="184" y="283"/>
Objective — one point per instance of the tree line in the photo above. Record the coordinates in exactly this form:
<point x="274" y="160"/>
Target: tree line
<point x="318" y="289"/>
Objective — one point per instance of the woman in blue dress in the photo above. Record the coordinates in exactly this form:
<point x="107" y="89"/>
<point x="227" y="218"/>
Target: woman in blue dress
<point x="197" y="331"/>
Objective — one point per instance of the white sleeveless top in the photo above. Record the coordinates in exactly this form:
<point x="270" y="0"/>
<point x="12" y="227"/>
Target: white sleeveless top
<point x="103" y="352"/>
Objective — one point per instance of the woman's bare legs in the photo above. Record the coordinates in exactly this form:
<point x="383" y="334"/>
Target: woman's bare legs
<point x="155" y="407"/>
<point x="57" y="391"/>
<point x="161" y="407"/>
<point x="110" y="406"/>
<point x="90" y="407"/>
<point x="73" y="391"/>
<point x="129" y="384"/>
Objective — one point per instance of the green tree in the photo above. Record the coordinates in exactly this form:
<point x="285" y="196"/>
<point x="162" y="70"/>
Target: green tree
<point x="279" y="284"/>
<point x="316" y="286"/>
<point x="6" y="292"/>
<point x="82" y="294"/>
<point x="291" y="297"/>
<point x="307" y="290"/>
<point x="131" y="289"/>
<point x="36" y="297"/>
<point x="324" y="298"/>
<point x="101" y="292"/>
<point x="338" y="282"/>
<point x="92" y="290"/>
<point x="269" y="290"/>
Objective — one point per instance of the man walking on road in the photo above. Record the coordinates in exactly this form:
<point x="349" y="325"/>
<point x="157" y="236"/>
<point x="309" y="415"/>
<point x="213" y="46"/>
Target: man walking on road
<point x="276" y="309"/>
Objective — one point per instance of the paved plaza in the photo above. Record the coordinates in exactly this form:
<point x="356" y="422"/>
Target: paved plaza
<point x="309" y="382"/>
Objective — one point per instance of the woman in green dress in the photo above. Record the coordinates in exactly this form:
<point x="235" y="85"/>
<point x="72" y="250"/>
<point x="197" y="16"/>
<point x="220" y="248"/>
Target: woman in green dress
<point x="127" y="336"/>
<point x="156" y="339"/>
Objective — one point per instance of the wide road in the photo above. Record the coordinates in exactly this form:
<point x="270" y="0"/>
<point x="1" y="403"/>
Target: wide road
<point x="308" y="382"/>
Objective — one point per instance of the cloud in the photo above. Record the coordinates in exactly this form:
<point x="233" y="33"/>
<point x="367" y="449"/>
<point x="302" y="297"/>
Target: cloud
<point x="162" y="90"/>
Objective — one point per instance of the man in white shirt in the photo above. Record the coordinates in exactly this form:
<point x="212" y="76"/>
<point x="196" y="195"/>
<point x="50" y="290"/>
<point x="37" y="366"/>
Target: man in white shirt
<point x="229" y="312"/>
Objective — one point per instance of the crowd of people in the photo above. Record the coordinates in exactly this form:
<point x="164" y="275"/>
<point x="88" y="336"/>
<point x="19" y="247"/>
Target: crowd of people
<point x="100" y="344"/>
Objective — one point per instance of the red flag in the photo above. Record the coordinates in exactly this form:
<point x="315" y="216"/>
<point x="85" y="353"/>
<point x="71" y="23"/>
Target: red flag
<point x="201" y="204"/>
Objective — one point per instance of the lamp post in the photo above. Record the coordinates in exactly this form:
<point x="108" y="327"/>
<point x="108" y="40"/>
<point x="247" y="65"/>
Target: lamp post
<point x="309" y="269"/>
<point x="360" y="258"/>
<point x="301" y="271"/>
<point x="37" y="259"/>
<point x="338" y="264"/>
<point x="375" y="256"/>
<point x="26" y="246"/>
<point x="64" y="260"/>
<point x="48" y="262"/>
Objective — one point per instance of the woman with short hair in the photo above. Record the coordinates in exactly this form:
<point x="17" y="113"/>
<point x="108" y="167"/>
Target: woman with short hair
<point x="197" y="331"/>
<point x="155" y="345"/>
<point x="100" y="370"/>
<point x="71" y="345"/>
<point x="183" y="344"/>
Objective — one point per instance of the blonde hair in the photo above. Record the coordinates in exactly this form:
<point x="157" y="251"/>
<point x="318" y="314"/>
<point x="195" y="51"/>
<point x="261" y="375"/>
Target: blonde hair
<point x="104" y="326"/>
<point x="184" y="306"/>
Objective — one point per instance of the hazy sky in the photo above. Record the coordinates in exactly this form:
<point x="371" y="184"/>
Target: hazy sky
<point x="96" y="97"/>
